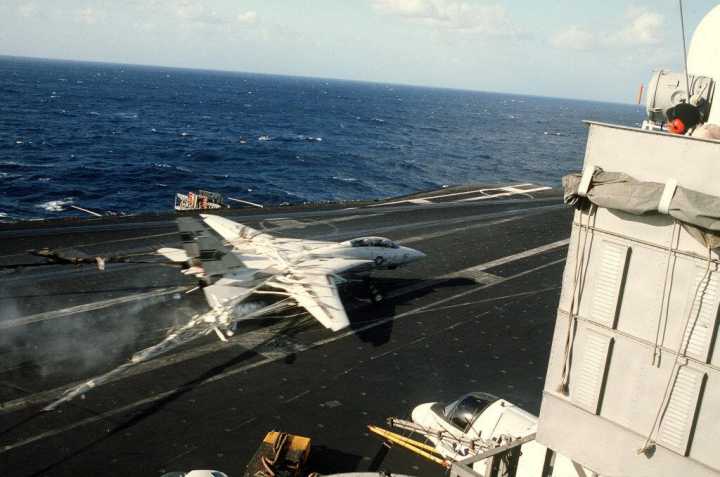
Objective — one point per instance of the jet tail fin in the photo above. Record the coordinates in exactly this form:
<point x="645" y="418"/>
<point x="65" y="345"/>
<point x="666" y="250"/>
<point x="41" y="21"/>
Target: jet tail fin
<point x="201" y="244"/>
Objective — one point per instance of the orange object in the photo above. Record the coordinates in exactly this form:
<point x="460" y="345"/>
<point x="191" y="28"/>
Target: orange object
<point x="640" y="93"/>
<point x="203" y="202"/>
<point x="676" y="126"/>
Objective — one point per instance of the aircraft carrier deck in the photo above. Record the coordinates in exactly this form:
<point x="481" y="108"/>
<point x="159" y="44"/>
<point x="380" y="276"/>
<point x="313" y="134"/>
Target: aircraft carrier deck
<point x="476" y="314"/>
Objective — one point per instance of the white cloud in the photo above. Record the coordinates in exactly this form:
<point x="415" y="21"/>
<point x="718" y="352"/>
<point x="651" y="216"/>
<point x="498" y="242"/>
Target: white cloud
<point x="645" y="28"/>
<point x="573" y="38"/>
<point x="27" y="10"/>
<point x="483" y="18"/>
<point x="490" y="19"/>
<point x="197" y="13"/>
<point x="88" y="16"/>
<point x="638" y="28"/>
<point x="247" y="18"/>
<point x="406" y="8"/>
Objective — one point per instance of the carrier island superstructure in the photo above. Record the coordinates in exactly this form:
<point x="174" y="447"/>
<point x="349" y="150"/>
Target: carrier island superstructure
<point x="633" y="382"/>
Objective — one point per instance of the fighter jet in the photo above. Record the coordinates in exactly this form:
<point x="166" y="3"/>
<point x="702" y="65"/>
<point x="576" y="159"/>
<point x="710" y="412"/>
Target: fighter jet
<point x="244" y="262"/>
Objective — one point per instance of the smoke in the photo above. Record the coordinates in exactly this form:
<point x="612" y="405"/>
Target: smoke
<point x="80" y="344"/>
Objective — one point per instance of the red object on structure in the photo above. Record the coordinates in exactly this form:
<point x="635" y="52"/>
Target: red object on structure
<point x="676" y="126"/>
<point x="203" y="202"/>
<point x="191" y="199"/>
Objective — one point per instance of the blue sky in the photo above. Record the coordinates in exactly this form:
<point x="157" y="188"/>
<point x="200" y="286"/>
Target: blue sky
<point x="598" y="50"/>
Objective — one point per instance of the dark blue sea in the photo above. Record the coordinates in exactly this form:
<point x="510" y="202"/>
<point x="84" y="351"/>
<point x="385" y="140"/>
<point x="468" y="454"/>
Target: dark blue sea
<point x="124" y="139"/>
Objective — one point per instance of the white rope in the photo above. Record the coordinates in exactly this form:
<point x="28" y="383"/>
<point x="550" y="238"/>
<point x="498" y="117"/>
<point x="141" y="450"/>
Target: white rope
<point x="681" y="352"/>
<point x="664" y="307"/>
<point x="572" y="318"/>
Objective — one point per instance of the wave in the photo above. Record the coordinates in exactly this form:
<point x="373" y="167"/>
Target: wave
<point x="126" y="115"/>
<point x="290" y="138"/>
<point x="56" y="205"/>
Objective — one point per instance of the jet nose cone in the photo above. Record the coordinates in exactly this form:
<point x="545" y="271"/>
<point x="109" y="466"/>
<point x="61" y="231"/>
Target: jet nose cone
<point x="422" y="415"/>
<point x="417" y="255"/>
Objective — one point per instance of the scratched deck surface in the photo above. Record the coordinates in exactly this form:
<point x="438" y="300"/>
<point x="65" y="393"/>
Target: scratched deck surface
<point x="476" y="314"/>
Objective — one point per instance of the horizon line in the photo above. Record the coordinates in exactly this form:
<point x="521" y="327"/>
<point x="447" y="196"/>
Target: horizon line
<point x="375" y="82"/>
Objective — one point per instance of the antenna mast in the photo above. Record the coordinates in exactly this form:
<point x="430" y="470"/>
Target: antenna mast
<point x="682" y="26"/>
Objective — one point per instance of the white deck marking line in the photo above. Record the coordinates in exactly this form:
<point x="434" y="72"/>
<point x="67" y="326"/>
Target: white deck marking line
<point x="529" y="213"/>
<point x="97" y="305"/>
<point x="477" y="272"/>
<point x="496" y="298"/>
<point x="519" y="255"/>
<point x="129" y="239"/>
<point x="509" y="191"/>
<point x="474" y="274"/>
<point x="247" y="367"/>
<point x="297" y="396"/>
<point x="452" y="194"/>
<point x="81" y="270"/>
<point x="397" y="348"/>
<point x="292" y="224"/>
<point x="442" y="233"/>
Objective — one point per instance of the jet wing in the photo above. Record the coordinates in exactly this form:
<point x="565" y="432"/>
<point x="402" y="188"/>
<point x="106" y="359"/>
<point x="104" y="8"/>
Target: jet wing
<point x="250" y="241"/>
<point x="314" y="286"/>
<point x="202" y="245"/>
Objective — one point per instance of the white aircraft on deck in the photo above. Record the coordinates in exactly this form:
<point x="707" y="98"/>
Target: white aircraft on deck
<point x="308" y="272"/>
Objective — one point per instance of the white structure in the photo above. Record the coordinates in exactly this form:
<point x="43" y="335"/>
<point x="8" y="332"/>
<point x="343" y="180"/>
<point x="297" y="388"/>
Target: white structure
<point x="633" y="383"/>
<point x="704" y="53"/>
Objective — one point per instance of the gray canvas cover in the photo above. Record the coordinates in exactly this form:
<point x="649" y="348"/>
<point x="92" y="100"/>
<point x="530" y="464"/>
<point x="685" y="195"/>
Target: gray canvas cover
<point x="698" y="212"/>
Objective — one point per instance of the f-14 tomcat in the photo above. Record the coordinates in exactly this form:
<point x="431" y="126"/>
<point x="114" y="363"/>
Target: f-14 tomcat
<point x="249" y="262"/>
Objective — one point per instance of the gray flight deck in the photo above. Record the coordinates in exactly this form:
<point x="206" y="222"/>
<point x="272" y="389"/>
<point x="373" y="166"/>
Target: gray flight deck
<point x="476" y="314"/>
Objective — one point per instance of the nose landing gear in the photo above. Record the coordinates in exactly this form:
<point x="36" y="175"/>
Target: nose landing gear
<point x="375" y="294"/>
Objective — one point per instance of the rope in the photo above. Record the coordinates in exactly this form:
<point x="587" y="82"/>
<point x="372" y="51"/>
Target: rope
<point x="572" y="318"/>
<point x="664" y="307"/>
<point x="681" y="352"/>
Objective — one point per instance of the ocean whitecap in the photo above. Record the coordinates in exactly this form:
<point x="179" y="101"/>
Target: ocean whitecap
<point x="56" y="205"/>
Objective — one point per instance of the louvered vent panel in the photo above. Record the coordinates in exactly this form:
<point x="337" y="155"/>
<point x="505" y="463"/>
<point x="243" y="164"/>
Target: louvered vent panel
<point x="591" y="373"/>
<point x="608" y="281"/>
<point x="699" y="333"/>
<point x="675" y="427"/>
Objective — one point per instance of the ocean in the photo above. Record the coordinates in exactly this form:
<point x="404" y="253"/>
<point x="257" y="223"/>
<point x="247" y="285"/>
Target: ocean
<point x="123" y="139"/>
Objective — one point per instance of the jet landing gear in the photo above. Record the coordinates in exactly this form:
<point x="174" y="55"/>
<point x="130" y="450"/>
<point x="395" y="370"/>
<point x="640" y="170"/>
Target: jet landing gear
<point x="376" y="295"/>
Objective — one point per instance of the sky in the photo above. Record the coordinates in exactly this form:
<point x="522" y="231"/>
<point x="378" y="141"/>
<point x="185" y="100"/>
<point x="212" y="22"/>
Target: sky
<point x="597" y="50"/>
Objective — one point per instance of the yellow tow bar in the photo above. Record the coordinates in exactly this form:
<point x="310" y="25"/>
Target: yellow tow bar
<point x="419" y="448"/>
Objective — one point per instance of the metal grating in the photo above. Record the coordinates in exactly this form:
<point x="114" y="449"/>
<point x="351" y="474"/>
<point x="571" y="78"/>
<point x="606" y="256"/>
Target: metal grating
<point x="590" y="376"/>
<point x="677" y="421"/>
<point x="701" y="328"/>
<point x="608" y="281"/>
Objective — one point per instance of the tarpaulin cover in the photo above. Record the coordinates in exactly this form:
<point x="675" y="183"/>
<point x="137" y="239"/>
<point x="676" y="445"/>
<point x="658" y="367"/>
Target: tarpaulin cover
<point x="699" y="212"/>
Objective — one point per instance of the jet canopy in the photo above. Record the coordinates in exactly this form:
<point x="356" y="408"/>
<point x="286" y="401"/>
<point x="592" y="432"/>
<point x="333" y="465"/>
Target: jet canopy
<point x="373" y="242"/>
<point x="462" y="413"/>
